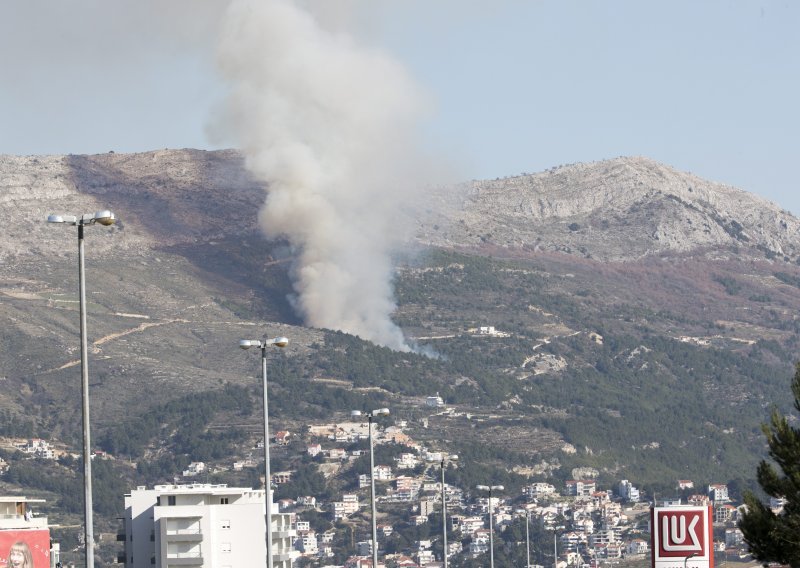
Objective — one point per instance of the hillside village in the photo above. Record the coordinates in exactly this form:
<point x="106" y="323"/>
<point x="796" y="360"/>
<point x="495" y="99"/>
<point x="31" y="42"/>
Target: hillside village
<point x="587" y="523"/>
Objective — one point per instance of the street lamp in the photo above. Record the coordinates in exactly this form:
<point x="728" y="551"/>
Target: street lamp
<point x="263" y="345"/>
<point x="370" y="416"/>
<point x="445" y="457"/>
<point x="105" y="218"/>
<point x="527" y="535"/>
<point x="555" y="544"/>
<point x="490" y="489"/>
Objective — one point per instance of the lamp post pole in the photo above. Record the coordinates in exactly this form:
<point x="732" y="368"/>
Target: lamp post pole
<point x="370" y="416"/>
<point x="104" y="218"/>
<point x="246" y="344"/>
<point x="490" y="489"/>
<point x="528" y="538"/>
<point x="444" y="508"/>
<point x="372" y="496"/>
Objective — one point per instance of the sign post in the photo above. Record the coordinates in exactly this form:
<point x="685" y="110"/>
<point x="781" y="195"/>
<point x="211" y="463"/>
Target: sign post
<point x="682" y="537"/>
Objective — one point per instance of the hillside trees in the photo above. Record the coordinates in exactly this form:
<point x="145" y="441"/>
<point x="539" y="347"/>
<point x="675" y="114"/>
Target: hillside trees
<point x="776" y="537"/>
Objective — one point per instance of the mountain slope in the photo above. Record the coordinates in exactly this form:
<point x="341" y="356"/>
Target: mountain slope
<point x="645" y="319"/>
<point x="619" y="209"/>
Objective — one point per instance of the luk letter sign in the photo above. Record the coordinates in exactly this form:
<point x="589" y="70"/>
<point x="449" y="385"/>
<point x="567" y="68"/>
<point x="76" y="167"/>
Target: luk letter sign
<point x="682" y="536"/>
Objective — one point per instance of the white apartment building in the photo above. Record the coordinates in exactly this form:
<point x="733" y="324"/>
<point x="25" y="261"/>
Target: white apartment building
<point x="203" y="525"/>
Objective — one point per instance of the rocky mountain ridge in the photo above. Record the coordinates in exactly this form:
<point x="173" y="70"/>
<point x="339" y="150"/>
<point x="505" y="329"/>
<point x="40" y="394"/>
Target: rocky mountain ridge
<point x="620" y="209"/>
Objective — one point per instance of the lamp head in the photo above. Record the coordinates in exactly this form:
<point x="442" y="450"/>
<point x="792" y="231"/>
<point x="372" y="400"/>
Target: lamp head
<point x="105" y="217"/>
<point x="381" y="412"/>
<point x="280" y="341"/>
<point x="355" y="413"/>
<point x="482" y="487"/>
<point x="67" y="219"/>
<point x="247" y="343"/>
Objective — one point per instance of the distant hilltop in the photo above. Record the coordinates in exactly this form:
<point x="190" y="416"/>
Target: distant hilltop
<point x="620" y="209"/>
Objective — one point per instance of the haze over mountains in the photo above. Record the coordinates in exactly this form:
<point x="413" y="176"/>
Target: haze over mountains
<point x="646" y="317"/>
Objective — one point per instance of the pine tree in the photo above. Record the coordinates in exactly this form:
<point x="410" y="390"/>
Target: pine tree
<point x="771" y="537"/>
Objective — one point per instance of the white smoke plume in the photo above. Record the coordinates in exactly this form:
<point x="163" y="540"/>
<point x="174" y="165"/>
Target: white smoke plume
<point x="330" y="126"/>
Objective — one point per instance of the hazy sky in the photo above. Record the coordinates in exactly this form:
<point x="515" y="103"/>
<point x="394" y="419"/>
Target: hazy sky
<point x="707" y="86"/>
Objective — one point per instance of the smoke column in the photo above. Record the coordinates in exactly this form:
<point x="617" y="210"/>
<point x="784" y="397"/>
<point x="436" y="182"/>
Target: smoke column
<point x="329" y="125"/>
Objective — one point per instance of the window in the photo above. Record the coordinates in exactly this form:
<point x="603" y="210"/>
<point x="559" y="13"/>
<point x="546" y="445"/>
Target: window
<point x="225" y="524"/>
<point x="170" y="499"/>
<point x="223" y="500"/>
<point x="226" y="547"/>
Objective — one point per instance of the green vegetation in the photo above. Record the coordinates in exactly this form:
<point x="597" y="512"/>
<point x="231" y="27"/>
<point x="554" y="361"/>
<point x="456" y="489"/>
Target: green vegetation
<point x="773" y="537"/>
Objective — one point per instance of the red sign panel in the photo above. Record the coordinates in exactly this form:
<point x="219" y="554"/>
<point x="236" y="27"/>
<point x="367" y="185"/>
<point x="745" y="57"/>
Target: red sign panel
<point x="25" y="548"/>
<point x="683" y="534"/>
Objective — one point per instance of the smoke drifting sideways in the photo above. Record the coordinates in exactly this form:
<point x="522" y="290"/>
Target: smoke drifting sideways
<point x="330" y="126"/>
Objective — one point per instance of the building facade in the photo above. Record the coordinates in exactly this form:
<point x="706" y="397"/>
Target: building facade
<point x="21" y="528"/>
<point x="203" y="525"/>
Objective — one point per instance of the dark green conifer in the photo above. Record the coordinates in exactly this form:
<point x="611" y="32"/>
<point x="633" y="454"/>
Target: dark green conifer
<point x="771" y="537"/>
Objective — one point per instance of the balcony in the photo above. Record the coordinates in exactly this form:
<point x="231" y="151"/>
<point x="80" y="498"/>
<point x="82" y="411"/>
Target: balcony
<point x="184" y="535"/>
<point x="20" y="522"/>
<point x="185" y="559"/>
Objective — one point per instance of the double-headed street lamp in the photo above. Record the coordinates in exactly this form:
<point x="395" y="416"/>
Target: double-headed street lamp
<point x="445" y="458"/>
<point x="263" y="345"/>
<point x="527" y="514"/>
<point x="491" y="489"/>
<point x="370" y="416"/>
<point x="103" y="218"/>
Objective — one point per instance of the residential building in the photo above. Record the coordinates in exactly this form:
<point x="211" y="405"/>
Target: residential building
<point x="718" y="492"/>
<point x="18" y="523"/>
<point x="580" y="487"/>
<point x="724" y="513"/>
<point x="638" y="546"/>
<point x="383" y="473"/>
<point x="195" y="468"/>
<point x="434" y="401"/>
<point x="202" y="525"/>
<point x="536" y="490"/>
<point x="627" y="491"/>
<point x="733" y="537"/>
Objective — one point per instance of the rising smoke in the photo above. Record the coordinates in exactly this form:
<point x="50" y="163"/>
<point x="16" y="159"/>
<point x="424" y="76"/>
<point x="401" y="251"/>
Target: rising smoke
<point x="330" y="126"/>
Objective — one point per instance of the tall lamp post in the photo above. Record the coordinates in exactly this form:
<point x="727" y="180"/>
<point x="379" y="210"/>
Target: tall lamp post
<point x="370" y="416"/>
<point x="491" y="489"/>
<point x="445" y="458"/>
<point x="264" y="345"/>
<point x="105" y="218"/>
<point x="527" y="514"/>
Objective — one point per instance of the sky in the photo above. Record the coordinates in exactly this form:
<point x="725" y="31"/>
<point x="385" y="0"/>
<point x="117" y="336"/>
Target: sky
<point x="710" y="87"/>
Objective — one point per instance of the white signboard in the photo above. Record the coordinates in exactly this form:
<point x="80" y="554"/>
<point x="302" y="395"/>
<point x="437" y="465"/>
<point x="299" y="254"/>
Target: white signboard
<point x="682" y="537"/>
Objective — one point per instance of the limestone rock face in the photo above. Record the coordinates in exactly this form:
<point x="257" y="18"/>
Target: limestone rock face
<point x="160" y="198"/>
<point x="619" y="209"/>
